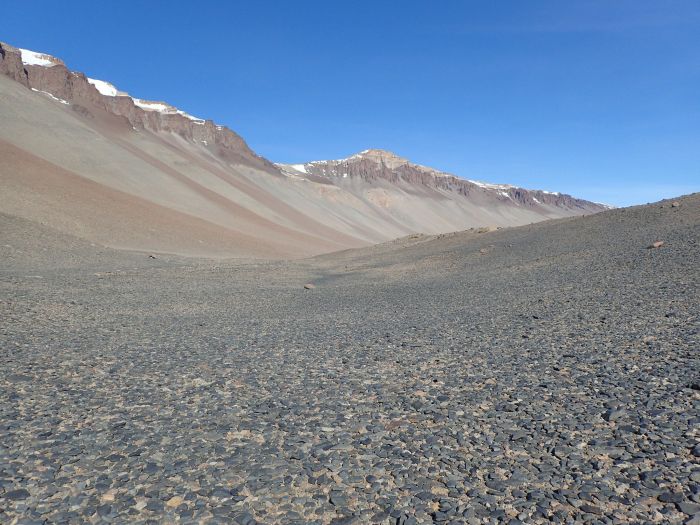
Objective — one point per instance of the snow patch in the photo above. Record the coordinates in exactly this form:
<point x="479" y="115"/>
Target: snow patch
<point x="53" y="97"/>
<point x="194" y="119"/>
<point x="105" y="88"/>
<point x="490" y="186"/>
<point x="535" y="199"/>
<point x="32" y="58"/>
<point x="152" y="106"/>
<point x="298" y="167"/>
<point x="166" y="109"/>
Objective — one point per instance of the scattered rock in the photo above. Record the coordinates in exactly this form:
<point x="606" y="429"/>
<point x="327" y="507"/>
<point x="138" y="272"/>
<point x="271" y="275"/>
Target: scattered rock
<point x="108" y="496"/>
<point x="655" y="244"/>
<point x="591" y="509"/>
<point x="410" y="402"/>
<point x="174" y="502"/>
<point x="309" y="286"/>
<point x="16" y="494"/>
<point x="671" y="497"/>
<point x="687" y="507"/>
<point x="338" y="499"/>
<point x="614" y="415"/>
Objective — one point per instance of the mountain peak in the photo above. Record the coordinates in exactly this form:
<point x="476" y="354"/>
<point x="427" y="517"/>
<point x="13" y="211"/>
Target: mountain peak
<point x="381" y="156"/>
<point x="376" y="153"/>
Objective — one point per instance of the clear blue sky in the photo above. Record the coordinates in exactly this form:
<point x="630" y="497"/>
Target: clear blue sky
<point x="600" y="99"/>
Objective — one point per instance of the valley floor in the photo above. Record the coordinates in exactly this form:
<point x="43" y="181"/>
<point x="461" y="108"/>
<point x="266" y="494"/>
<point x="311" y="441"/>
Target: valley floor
<point x="547" y="373"/>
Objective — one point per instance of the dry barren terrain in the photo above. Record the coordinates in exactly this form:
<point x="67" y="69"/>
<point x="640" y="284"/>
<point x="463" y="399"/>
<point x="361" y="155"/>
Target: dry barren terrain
<point x="546" y="373"/>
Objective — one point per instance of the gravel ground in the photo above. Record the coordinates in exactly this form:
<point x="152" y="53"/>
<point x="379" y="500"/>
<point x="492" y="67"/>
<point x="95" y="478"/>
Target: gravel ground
<point x="548" y="373"/>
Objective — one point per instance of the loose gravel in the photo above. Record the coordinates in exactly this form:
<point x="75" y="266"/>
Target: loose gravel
<point x="543" y="374"/>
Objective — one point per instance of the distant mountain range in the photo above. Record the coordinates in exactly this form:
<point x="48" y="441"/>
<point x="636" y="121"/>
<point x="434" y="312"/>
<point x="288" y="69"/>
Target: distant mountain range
<point x="87" y="159"/>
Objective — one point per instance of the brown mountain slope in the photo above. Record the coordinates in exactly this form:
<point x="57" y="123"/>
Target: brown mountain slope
<point x="92" y="161"/>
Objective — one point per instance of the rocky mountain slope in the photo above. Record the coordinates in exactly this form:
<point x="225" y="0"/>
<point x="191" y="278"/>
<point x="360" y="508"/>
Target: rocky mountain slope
<point x="375" y="164"/>
<point x="90" y="160"/>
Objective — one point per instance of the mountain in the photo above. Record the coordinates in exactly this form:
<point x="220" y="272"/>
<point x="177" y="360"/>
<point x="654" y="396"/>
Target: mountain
<point x="410" y="191"/>
<point x="89" y="160"/>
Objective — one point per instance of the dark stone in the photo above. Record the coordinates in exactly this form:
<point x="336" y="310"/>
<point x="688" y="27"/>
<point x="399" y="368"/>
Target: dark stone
<point x="671" y="497"/>
<point x="17" y="494"/>
<point x="590" y="509"/>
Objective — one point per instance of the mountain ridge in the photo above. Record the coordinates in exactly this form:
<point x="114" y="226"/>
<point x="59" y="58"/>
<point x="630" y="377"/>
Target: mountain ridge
<point x="48" y="74"/>
<point x="373" y="163"/>
<point x="181" y="184"/>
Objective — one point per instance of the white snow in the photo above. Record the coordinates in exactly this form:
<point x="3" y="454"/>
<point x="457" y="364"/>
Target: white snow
<point x="551" y="192"/>
<point x="355" y="156"/>
<point x="299" y="167"/>
<point x="503" y="193"/>
<point x="152" y="106"/>
<point x="32" y="58"/>
<point x="490" y="186"/>
<point x="105" y="88"/>
<point x="290" y="171"/>
<point x="53" y="97"/>
<point x="196" y="120"/>
<point x="161" y="107"/>
<point x="535" y="199"/>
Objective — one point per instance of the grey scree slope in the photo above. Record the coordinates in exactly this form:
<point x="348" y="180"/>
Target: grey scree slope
<point x="547" y="373"/>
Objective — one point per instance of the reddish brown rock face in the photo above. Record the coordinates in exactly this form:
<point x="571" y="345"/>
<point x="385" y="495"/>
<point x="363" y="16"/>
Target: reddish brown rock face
<point x="11" y="64"/>
<point x="75" y="88"/>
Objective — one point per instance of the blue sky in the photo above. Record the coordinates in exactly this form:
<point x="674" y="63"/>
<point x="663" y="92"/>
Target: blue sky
<point x="600" y="99"/>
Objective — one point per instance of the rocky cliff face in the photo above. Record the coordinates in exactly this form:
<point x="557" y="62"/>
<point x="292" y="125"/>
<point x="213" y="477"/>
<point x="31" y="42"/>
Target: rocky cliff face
<point x="11" y="64"/>
<point x="48" y="74"/>
<point x="377" y="164"/>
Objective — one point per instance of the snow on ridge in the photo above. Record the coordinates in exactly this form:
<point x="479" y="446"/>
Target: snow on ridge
<point x="489" y="186"/>
<point x="166" y="109"/>
<point x="105" y="88"/>
<point x="32" y="58"/>
<point x="194" y="119"/>
<point x="292" y="171"/>
<point x="299" y="167"/>
<point x="153" y="106"/>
